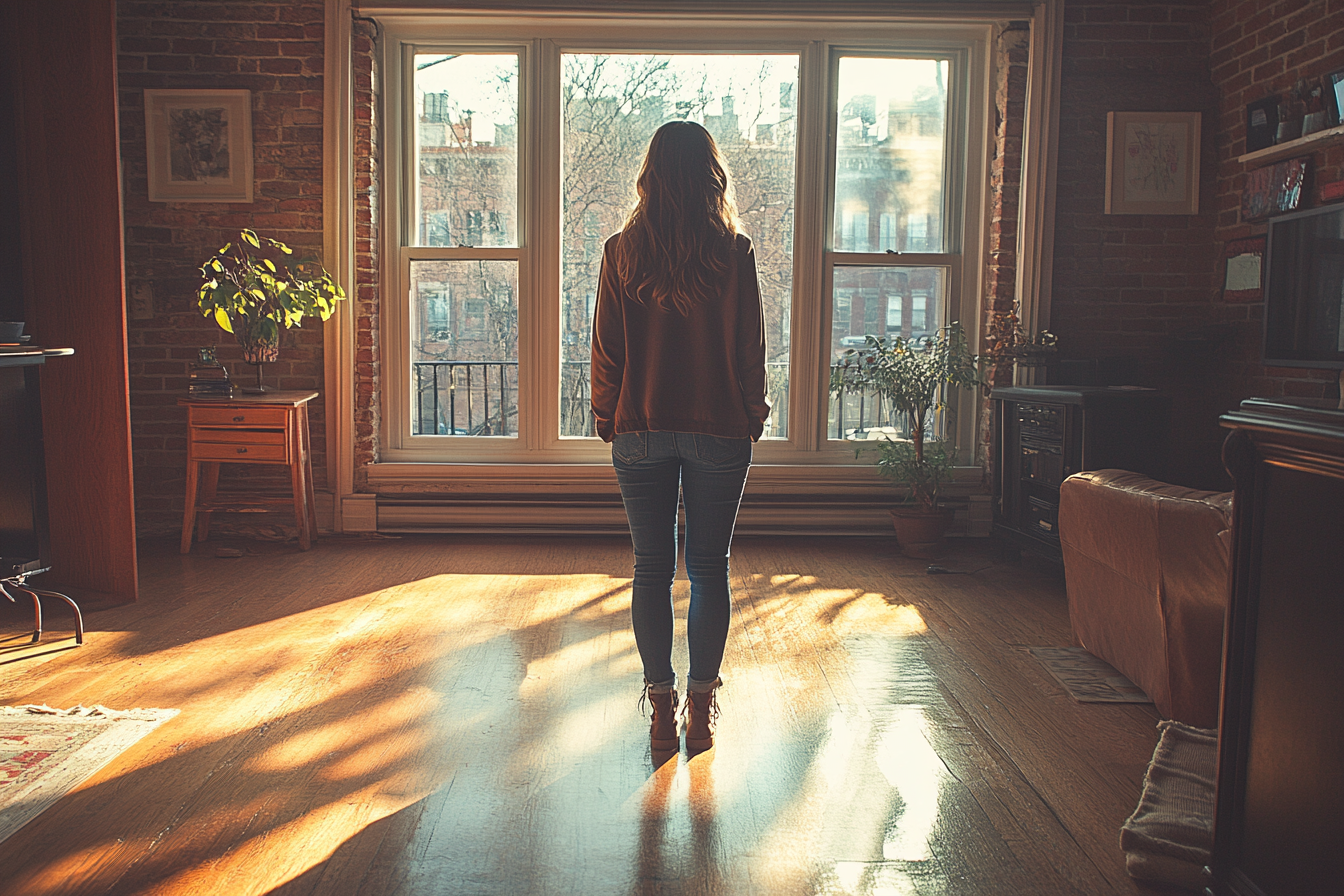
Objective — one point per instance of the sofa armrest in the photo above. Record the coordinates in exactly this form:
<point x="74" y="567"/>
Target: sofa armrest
<point x="1146" y="567"/>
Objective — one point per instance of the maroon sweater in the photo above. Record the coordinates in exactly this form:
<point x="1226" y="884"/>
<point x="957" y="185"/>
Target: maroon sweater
<point x="657" y="369"/>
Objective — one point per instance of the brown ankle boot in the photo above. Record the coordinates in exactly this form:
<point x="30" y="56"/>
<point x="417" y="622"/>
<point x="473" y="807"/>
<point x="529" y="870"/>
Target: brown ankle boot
<point x="663" y="726"/>
<point x="702" y="713"/>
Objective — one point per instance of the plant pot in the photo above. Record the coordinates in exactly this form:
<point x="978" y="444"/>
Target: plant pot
<point x="261" y="352"/>
<point x="921" y="533"/>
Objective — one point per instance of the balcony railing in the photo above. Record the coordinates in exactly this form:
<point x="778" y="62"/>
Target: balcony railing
<point x="480" y="398"/>
<point x="465" y="398"/>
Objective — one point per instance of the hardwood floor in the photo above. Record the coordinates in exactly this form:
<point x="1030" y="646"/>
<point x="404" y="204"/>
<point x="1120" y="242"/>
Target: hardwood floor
<point x="457" y="715"/>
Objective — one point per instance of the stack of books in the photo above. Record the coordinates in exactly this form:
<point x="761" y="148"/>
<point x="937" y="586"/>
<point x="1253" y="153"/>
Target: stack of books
<point x="209" y="381"/>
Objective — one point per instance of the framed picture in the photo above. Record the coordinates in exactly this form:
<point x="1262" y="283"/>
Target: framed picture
<point x="1274" y="189"/>
<point x="199" y="145"/>
<point x="1242" y="266"/>
<point x="1152" y="163"/>
<point x="1334" y="97"/>
<point x="1262" y="123"/>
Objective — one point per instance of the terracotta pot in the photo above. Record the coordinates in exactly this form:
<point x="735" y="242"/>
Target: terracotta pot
<point x="921" y="533"/>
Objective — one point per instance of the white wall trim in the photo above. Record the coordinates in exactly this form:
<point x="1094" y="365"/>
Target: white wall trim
<point x="338" y="250"/>
<point x="360" y="513"/>
<point x="1040" y="155"/>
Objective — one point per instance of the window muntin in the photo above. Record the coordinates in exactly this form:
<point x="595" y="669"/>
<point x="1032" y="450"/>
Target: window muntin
<point x="611" y="105"/>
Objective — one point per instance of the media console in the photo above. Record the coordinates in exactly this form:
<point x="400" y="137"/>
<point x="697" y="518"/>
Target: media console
<point x="1044" y="434"/>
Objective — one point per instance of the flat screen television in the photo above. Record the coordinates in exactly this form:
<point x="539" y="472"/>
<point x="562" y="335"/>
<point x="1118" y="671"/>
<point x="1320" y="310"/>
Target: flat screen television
<point x="1304" y="289"/>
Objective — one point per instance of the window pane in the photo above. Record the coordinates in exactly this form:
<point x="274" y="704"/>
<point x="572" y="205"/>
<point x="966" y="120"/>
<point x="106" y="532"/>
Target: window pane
<point x="891" y="117"/>
<point x="878" y="301"/>
<point x="466" y="140"/>
<point x="612" y="104"/>
<point x="464" y="348"/>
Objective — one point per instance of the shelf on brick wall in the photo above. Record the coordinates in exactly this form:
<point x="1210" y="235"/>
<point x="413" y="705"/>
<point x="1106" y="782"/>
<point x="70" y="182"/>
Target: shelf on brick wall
<point x="1309" y="143"/>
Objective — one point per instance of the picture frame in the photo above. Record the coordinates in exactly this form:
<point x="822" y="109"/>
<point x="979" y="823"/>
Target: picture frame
<point x="1152" y="163"/>
<point x="1262" y="123"/>
<point x="1334" y="96"/>
<point x="198" y="145"/>
<point x="1243" y="270"/>
<point x="1274" y="189"/>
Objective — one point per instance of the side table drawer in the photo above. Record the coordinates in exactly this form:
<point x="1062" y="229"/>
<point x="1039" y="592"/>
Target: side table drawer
<point x="246" y="453"/>
<point x="240" y="417"/>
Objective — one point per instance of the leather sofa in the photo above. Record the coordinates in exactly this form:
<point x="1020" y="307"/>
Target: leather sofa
<point x="1146" y="568"/>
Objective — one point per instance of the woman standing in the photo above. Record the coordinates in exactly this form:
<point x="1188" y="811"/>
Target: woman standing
<point x="678" y="376"/>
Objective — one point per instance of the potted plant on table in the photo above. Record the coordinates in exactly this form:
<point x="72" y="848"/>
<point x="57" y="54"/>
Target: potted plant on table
<point x="254" y="286"/>
<point x="911" y="376"/>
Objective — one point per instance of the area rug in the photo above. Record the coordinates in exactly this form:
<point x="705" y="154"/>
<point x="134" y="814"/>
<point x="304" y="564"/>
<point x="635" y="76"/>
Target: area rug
<point x="45" y="753"/>
<point x="1169" y="837"/>
<point x="1086" y="678"/>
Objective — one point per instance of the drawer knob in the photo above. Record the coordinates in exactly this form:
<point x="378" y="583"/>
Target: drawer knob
<point x="239" y="419"/>
<point x="242" y="450"/>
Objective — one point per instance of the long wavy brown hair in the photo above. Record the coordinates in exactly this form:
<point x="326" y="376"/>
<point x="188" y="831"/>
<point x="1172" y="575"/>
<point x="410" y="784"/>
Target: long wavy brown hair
<point x="675" y="248"/>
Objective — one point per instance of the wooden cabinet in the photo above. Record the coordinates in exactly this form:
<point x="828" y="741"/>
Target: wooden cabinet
<point x="61" y="58"/>
<point x="1044" y="434"/>
<point x="270" y="428"/>
<point x="1278" y="827"/>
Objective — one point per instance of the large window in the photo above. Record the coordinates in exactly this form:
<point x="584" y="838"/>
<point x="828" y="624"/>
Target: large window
<point x="514" y="150"/>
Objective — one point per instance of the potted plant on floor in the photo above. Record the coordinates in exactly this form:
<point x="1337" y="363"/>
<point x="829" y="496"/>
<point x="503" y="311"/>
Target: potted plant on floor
<point x="254" y="286"/>
<point x="911" y="377"/>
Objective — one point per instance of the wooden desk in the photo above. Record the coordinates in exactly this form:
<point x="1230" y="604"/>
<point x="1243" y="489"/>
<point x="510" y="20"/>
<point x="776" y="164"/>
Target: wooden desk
<point x="269" y="428"/>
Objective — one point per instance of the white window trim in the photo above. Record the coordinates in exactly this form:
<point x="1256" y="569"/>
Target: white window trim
<point x="1036" y="217"/>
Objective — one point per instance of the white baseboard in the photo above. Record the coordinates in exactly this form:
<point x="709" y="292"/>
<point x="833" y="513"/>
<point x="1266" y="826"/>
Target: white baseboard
<point x="359" y="513"/>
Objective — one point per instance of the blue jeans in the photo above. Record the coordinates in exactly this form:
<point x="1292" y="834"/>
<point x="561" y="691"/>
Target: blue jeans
<point x="711" y="472"/>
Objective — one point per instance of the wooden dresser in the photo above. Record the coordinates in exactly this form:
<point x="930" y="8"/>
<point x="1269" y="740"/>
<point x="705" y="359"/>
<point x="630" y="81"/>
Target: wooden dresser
<point x="1278" y="827"/>
<point x="268" y="428"/>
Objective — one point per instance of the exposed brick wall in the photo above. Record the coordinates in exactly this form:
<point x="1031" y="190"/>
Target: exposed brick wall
<point x="1012" y="53"/>
<point x="1141" y="287"/>
<point x="275" y="50"/>
<point x="368" y="149"/>
<point x="1259" y="50"/>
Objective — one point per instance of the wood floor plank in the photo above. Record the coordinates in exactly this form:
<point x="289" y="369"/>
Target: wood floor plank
<point x="440" y="715"/>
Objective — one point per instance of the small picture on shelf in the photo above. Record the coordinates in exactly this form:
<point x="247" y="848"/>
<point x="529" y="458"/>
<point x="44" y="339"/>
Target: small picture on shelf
<point x="1317" y="117"/>
<point x="1242" y="281"/>
<point x="1262" y="123"/>
<point x="1334" y="97"/>
<point x="1274" y="189"/>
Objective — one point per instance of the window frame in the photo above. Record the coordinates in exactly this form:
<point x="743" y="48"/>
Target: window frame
<point x="541" y="41"/>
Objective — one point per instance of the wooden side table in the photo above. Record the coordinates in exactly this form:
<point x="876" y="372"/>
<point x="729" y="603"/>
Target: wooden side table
<point x="268" y="428"/>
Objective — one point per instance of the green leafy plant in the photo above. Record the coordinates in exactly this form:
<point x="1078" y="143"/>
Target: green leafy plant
<point x="253" y="286"/>
<point x="910" y="375"/>
<point x="921" y="477"/>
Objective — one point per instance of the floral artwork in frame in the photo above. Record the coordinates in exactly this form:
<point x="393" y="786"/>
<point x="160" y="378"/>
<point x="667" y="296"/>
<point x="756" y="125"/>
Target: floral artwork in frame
<point x="1152" y="163"/>
<point x="198" y="145"/>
